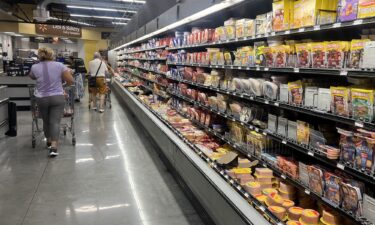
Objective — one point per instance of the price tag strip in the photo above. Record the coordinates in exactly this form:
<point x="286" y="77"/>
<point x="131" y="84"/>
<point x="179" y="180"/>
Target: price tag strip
<point x="340" y="166"/>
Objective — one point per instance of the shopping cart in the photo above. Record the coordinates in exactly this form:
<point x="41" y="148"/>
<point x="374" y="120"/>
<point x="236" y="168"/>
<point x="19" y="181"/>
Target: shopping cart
<point x="67" y="123"/>
<point x="79" y="87"/>
<point x="108" y="102"/>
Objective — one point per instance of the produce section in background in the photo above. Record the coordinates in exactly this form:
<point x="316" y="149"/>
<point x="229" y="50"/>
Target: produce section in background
<point x="282" y="106"/>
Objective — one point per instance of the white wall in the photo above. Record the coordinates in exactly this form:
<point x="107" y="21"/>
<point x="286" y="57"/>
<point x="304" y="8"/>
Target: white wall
<point x="6" y="40"/>
<point x="81" y="49"/>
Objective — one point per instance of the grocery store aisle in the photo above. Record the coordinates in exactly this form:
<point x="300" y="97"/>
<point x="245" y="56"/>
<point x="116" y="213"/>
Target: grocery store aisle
<point x="112" y="177"/>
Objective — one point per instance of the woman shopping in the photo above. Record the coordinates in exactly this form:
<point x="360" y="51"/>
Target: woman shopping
<point x="49" y="76"/>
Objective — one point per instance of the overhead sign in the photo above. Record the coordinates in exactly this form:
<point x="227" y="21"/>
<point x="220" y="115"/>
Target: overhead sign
<point x="58" y="30"/>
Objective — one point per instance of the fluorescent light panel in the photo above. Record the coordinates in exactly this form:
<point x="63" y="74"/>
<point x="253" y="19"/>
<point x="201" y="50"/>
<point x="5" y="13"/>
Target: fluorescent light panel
<point x="132" y="1"/>
<point x="206" y="12"/>
<point x="100" y="17"/>
<point x="101" y="9"/>
<point x="74" y="21"/>
<point x="119" y="23"/>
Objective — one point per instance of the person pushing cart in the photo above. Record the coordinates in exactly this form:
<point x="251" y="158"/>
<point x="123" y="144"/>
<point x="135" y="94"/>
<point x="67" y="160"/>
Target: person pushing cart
<point x="49" y="96"/>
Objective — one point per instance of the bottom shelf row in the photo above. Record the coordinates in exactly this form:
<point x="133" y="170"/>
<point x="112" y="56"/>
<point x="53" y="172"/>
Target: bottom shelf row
<point x="280" y="196"/>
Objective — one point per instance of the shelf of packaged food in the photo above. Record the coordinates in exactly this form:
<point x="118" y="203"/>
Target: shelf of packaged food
<point x="235" y="185"/>
<point x="307" y="150"/>
<point x="302" y="30"/>
<point x="314" y="71"/>
<point x="216" y="175"/>
<point x="143" y="59"/>
<point x="276" y="171"/>
<point x="146" y="50"/>
<point x="149" y="70"/>
<point x="144" y="78"/>
<point x="296" y="108"/>
<point x="158" y="94"/>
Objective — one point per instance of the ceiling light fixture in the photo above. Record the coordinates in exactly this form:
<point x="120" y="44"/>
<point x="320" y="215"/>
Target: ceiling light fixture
<point x="73" y="21"/>
<point x="132" y="1"/>
<point x="101" y="9"/>
<point x="119" y="23"/>
<point x="100" y="17"/>
<point x="206" y="12"/>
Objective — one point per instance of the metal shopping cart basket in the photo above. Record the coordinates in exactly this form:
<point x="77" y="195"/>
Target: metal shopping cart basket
<point x="108" y="102"/>
<point x="67" y="123"/>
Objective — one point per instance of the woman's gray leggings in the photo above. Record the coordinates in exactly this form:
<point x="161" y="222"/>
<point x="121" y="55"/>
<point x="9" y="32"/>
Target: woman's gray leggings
<point x="51" y="109"/>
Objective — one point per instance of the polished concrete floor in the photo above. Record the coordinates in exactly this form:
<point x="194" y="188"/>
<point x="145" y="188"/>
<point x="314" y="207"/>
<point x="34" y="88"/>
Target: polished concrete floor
<point x="112" y="177"/>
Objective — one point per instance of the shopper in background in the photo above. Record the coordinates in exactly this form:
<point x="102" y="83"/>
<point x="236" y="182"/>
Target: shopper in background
<point x="50" y="94"/>
<point x="97" y="71"/>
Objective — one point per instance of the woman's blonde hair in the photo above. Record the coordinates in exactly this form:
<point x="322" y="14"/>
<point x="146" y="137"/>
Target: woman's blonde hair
<point x="45" y="54"/>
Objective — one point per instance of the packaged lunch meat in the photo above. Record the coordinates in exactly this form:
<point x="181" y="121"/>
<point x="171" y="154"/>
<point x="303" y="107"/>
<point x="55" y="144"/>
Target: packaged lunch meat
<point x="364" y="153"/>
<point x="295" y="90"/>
<point x="272" y="123"/>
<point x="261" y="23"/>
<point x="235" y="109"/>
<point x="240" y="28"/>
<point x="336" y="52"/>
<point x="347" y="146"/>
<point x="347" y="10"/>
<point x="298" y="14"/>
<point x="318" y="55"/>
<point x="250" y="28"/>
<point x="282" y="14"/>
<point x="284" y="93"/>
<point x="362" y="104"/>
<point x="366" y="8"/>
<point x="246" y="115"/>
<point x="212" y="102"/>
<point x="270" y="90"/>
<point x="258" y="53"/>
<point x="356" y="53"/>
<point x="230" y="29"/>
<point x="228" y="58"/>
<point x="256" y="86"/>
<point x="326" y="17"/>
<point x="316" y="180"/>
<point x="332" y="188"/>
<point x="340" y="101"/>
<point x="351" y="198"/>
<point x="268" y="56"/>
<point x="281" y="55"/>
<point x="303" y="132"/>
<point x="246" y="56"/>
<point x="303" y="55"/>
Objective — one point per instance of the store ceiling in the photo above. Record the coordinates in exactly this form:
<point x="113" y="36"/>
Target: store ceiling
<point x="99" y="13"/>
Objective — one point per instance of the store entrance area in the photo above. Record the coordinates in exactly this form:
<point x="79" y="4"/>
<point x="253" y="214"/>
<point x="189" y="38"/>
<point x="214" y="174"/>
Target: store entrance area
<point x="112" y="176"/>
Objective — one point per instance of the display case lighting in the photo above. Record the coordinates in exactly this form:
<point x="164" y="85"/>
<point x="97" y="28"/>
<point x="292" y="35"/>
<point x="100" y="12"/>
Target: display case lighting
<point x="206" y="12"/>
<point x="99" y="17"/>
<point x="100" y="9"/>
<point x="132" y="1"/>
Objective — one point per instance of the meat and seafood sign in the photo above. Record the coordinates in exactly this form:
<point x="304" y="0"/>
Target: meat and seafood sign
<point x="58" y="30"/>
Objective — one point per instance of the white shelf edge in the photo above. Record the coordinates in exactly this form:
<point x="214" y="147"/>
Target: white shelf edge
<point x="241" y="204"/>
